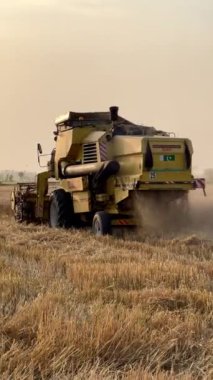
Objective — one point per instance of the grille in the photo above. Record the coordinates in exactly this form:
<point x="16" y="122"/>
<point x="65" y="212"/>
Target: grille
<point x="89" y="153"/>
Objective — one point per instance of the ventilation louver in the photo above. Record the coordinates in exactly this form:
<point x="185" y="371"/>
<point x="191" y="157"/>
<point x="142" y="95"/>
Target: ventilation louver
<point x="89" y="153"/>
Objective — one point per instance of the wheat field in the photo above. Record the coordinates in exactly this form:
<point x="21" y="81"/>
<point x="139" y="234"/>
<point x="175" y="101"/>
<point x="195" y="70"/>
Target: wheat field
<point x="74" y="306"/>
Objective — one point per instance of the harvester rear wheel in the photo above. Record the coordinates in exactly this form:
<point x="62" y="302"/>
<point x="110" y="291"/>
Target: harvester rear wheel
<point x="61" y="209"/>
<point x="101" y="224"/>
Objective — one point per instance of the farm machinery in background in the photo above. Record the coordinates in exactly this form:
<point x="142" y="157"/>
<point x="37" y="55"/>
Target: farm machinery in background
<point x="104" y="168"/>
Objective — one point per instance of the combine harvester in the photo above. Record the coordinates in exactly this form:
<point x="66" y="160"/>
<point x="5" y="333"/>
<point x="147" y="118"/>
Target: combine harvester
<point x="104" y="165"/>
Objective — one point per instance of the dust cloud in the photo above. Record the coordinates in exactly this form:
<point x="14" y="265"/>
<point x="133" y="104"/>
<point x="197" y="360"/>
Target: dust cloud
<point x="178" y="219"/>
<point x="201" y="213"/>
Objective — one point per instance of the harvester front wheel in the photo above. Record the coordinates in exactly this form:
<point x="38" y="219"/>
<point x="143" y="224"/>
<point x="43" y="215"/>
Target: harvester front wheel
<point x="61" y="209"/>
<point x="101" y="224"/>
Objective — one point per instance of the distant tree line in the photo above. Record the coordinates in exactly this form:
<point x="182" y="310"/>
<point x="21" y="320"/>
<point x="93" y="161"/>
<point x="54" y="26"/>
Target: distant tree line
<point x="16" y="176"/>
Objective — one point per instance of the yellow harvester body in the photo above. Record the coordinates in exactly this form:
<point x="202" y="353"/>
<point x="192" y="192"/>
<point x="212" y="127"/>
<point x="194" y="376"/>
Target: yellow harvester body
<point x="104" y="163"/>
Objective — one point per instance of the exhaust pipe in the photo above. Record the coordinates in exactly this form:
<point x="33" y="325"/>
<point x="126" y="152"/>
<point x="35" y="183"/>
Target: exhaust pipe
<point x="114" y="113"/>
<point x="73" y="171"/>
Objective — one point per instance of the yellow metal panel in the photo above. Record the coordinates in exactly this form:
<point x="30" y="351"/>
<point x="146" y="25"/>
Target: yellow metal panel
<point x="159" y="181"/>
<point x="177" y="164"/>
<point x="162" y="148"/>
<point x="94" y="136"/>
<point x="69" y="144"/>
<point x="166" y="186"/>
<point x="124" y="145"/>
<point x="120" y="194"/>
<point x="166" y="145"/>
<point x="42" y="190"/>
<point x="75" y="184"/>
<point x="158" y="176"/>
<point x="81" y="201"/>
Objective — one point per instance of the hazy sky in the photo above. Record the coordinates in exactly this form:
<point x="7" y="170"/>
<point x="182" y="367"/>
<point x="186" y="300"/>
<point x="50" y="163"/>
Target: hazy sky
<point x="152" y="58"/>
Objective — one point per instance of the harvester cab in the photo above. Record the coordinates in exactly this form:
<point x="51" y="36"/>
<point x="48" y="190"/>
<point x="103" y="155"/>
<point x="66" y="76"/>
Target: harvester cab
<point x="105" y="165"/>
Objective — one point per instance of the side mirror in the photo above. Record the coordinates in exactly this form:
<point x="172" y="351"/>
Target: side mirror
<point x="40" y="154"/>
<point x="39" y="148"/>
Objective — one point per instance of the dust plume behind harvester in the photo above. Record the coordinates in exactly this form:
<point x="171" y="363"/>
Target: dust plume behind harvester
<point x="104" y="166"/>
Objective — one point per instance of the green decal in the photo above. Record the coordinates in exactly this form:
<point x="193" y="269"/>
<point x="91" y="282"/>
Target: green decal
<point x="169" y="157"/>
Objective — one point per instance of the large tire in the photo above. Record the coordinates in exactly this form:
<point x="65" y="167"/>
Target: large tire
<point x="101" y="224"/>
<point x="61" y="209"/>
